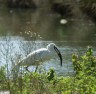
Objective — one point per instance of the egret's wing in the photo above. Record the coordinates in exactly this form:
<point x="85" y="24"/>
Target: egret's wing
<point x="34" y="58"/>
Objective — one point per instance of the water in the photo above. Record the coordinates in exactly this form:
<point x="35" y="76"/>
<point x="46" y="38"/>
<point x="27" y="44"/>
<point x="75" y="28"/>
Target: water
<point x="23" y="31"/>
<point x="4" y="92"/>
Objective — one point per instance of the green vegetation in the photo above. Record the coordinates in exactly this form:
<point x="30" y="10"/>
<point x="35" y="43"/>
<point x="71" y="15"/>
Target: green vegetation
<point x="82" y="82"/>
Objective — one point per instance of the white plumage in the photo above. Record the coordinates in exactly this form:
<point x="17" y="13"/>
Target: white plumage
<point x="39" y="56"/>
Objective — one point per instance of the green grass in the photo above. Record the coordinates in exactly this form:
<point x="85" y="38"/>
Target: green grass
<point x="83" y="82"/>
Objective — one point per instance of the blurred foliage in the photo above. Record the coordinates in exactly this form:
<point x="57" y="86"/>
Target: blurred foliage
<point x="64" y="8"/>
<point x="21" y="4"/>
<point x="50" y="75"/>
<point x="89" y="7"/>
<point x="3" y="79"/>
<point x="85" y="63"/>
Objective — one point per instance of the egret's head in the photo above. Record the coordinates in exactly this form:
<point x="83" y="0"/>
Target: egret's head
<point x="52" y="47"/>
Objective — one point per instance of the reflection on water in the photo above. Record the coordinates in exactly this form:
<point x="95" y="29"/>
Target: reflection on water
<point x="47" y="25"/>
<point x="30" y="30"/>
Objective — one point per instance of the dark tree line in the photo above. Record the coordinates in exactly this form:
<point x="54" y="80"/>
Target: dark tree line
<point x="88" y="7"/>
<point x="21" y="4"/>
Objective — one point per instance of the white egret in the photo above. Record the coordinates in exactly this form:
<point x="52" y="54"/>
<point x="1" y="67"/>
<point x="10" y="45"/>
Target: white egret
<point x="39" y="56"/>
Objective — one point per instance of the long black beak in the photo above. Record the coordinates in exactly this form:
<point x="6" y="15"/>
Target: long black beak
<point x="59" y="54"/>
